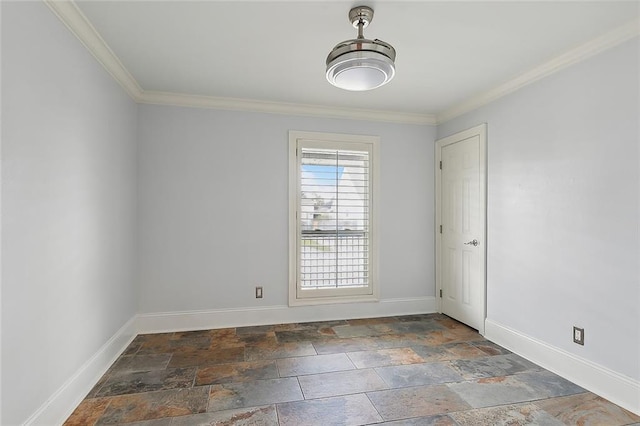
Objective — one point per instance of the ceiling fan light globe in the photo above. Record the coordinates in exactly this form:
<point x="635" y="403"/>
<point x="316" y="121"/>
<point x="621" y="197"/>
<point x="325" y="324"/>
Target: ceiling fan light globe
<point x="360" y="71"/>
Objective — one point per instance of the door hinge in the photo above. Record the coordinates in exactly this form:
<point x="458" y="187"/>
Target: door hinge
<point x="441" y="165"/>
<point x="440" y="292"/>
<point x="441" y="229"/>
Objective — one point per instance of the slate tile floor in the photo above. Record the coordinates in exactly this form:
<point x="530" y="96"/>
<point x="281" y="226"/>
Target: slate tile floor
<point x="410" y="370"/>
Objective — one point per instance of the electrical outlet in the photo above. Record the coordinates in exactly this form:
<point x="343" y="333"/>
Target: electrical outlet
<point x="578" y="335"/>
<point x="258" y="292"/>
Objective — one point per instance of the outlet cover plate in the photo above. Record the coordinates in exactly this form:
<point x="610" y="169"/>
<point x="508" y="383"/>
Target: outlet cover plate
<point x="578" y="335"/>
<point x="258" y="292"/>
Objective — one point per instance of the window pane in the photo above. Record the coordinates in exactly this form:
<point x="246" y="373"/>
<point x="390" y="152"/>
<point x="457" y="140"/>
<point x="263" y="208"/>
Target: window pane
<point x="334" y="221"/>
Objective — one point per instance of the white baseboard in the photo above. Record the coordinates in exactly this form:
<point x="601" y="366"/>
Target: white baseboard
<point x="615" y="387"/>
<point x="61" y="404"/>
<point x="239" y="317"/>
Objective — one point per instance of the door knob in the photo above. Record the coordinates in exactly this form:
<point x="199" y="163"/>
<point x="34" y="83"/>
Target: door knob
<point x="473" y="242"/>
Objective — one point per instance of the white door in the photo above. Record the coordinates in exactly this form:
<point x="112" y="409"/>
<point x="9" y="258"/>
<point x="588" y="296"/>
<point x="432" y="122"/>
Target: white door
<point x="461" y="242"/>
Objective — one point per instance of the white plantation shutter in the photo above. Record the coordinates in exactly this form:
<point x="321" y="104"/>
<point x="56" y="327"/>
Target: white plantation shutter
<point x="334" y="192"/>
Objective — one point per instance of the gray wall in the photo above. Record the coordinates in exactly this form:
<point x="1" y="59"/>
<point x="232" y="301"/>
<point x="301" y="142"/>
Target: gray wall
<point x="213" y="207"/>
<point x="212" y="213"/>
<point x="563" y="208"/>
<point x="68" y="207"/>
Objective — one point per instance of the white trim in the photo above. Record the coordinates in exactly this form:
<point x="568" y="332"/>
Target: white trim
<point x="366" y="143"/>
<point x="81" y="27"/>
<point x="615" y="387"/>
<point x="59" y="406"/>
<point x="73" y="18"/>
<point x="481" y="132"/>
<point x="584" y="51"/>
<point x="254" y="105"/>
<point x="280" y="314"/>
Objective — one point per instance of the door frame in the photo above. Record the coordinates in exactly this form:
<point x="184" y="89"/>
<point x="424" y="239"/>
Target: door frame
<point x="480" y="131"/>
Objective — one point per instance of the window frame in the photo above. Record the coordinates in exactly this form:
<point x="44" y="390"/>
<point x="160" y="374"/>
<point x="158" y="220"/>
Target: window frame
<point x="333" y="141"/>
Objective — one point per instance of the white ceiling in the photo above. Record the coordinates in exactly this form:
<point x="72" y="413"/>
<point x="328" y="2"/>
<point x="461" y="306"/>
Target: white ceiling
<point x="447" y="52"/>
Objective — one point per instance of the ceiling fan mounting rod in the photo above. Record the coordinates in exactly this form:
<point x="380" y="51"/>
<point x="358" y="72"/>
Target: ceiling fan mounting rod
<point x="360" y="29"/>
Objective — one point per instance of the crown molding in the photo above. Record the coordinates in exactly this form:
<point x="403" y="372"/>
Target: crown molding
<point x="252" y="105"/>
<point x="571" y="57"/>
<point x="79" y="25"/>
<point x="73" y="18"/>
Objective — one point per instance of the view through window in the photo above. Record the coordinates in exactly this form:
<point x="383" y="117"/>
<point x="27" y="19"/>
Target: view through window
<point x="334" y="221"/>
<point x="331" y="229"/>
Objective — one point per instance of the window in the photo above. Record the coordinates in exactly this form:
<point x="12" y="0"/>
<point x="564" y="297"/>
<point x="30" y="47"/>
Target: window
<point x="332" y="218"/>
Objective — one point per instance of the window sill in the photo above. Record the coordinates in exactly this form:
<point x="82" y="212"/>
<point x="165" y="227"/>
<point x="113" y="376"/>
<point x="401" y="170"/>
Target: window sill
<point x="309" y="301"/>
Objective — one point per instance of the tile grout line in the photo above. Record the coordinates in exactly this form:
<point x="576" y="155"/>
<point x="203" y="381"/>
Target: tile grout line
<point x="275" y="407"/>
<point x="366" y="394"/>
<point x="304" y="397"/>
<point x="208" y="400"/>
<point x="103" y="413"/>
